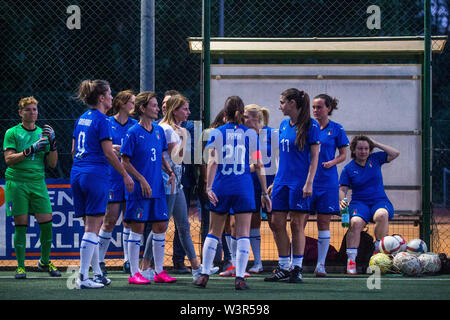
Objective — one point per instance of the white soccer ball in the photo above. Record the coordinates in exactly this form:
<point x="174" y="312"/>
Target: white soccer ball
<point x="398" y="260"/>
<point x="402" y="242"/>
<point x="430" y="262"/>
<point x="416" y="247"/>
<point x="410" y="265"/>
<point x="389" y="245"/>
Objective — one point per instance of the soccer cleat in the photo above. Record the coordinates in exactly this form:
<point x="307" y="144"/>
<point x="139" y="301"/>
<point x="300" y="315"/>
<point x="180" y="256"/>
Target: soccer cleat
<point x="351" y="267"/>
<point x="278" y="275"/>
<point x="257" y="268"/>
<point x="126" y="267"/>
<point x="88" y="284"/>
<point x="148" y="274"/>
<point x="202" y="281"/>
<point x="295" y="275"/>
<point x="319" y="271"/>
<point x="20" y="273"/>
<point x="163" y="277"/>
<point x="240" y="284"/>
<point x="103" y="268"/>
<point x="138" y="279"/>
<point x="196" y="273"/>
<point x="102" y="279"/>
<point x="212" y="270"/>
<point x="50" y="268"/>
<point x="229" y="272"/>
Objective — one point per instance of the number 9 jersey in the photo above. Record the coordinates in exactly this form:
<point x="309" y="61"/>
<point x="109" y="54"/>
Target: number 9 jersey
<point x="91" y="129"/>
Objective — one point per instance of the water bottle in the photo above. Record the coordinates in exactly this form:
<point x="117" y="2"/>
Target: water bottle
<point x="345" y="217"/>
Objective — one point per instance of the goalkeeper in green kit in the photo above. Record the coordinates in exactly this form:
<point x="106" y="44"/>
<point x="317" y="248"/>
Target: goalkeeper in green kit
<point x="26" y="147"/>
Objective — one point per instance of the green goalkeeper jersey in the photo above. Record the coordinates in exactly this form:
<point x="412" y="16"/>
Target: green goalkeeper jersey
<point x="31" y="168"/>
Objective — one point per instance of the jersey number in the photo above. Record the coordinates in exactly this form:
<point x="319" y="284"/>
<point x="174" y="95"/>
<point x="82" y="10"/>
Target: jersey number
<point x="284" y="145"/>
<point x="237" y="155"/>
<point x="80" y="144"/>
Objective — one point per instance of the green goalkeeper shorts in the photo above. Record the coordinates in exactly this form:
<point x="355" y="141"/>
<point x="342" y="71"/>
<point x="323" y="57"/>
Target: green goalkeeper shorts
<point x="29" y="197"/>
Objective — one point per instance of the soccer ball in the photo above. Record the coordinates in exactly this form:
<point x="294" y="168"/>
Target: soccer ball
<point x="389" y="245"/>
<point x="410" y="265"/>
<point x="382" y="261"/>
<point x="402" y="242"/>
<point x="416" y="247"/>
<point x="398" y="260"/>
<point x="430" y="262"/>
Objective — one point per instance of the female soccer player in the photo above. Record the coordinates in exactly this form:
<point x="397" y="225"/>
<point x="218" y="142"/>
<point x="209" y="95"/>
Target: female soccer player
<point x="25" y="148"/>
<point x="119" y="117"/>
<point x="256" y="118"/>
<point x="369" y="201"/>
<point x="232" y="147"/>
<point x="292" y="187"/>
<point x="92" y="149"/>
<point x="325" y="198"/>
<point x="177" y="112"/>
<point x="142" y="156"/>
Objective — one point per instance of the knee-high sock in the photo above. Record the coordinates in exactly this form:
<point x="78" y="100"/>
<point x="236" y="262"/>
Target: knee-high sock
<point x="209" y="252"/>
<point x="134" y="246"/>
<point x="323" y="244"/>
<point x="125" y="235"/>
<point x="88" y="244"/>
<point x="46" y="237"/>
<point x="255" y="242"/>
<point x="242" y="254"/>
<point x="158" y="246"/>
<point x="104" y="239"/>
<point x="20" y="241"/>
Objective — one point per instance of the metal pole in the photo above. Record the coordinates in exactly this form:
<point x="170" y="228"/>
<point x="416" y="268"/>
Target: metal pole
<point x="426" y="129"/>
<point x="221" y="22"/>
<point x="206" y="61"/>
<point x="147" y="82"/>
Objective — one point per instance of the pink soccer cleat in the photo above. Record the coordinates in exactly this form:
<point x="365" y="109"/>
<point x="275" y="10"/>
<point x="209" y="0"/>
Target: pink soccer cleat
<point x="138" y="279"/>
<point x="163" y="277"/>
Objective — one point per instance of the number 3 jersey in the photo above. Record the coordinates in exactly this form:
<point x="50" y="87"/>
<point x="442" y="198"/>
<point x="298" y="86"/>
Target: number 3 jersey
<point x="145" y="150"/>
<point x="234" y="145"/>
<point x="91" y="129"/>
<point x="294" y="163"/>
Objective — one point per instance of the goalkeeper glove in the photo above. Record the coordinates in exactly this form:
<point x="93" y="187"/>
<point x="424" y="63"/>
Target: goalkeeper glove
<point x="36" y="147"/>
<point x="48" y="132"/>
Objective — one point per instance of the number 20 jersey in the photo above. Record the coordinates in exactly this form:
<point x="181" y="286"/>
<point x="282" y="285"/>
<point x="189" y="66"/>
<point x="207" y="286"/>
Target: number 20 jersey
<point x="233" y="144"/>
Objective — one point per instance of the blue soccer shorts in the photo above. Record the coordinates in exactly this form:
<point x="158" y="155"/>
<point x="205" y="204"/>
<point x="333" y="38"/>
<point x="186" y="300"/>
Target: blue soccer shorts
<point x="367" y="209"/>
<point x="325" y="201"/>
<point x="290" y="198"/>
<point x="234" y="204"/>
<point x="146" y="210"/>
<point x="90" y="194"/>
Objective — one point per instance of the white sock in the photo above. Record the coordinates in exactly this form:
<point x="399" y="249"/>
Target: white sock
<point x="104" y="239"/>
<point x="352" y="253"/>
<point x="284" y="262"/>
<point x="125" y="235"/>
<point x="158" y="244"/>
<point x="233" y="250"/>
<point x="255" y="242"/>
<point x="134" y="246"/>
<point x="297" y="260"/>
<point x="242" y="254"/>
<point x="95" y="263"/>
<point x="87" y="247"/>
<point x="323" y="244"/>
<point x="209" y="252"/>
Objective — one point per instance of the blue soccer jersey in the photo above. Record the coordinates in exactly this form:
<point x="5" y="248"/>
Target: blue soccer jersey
<point x="145" y="149"/>
<point x="91" y="129"/>
<point x="265" y="147"/>
<point x="332" y="137"/>
<point x="233" y="144"/>
<point x="294" y="163"/>
<point x="118" y="135"/>
<point x="366" y="182"/>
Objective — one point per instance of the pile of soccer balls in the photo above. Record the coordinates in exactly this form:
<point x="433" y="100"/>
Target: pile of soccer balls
<point x="410" y="259"/>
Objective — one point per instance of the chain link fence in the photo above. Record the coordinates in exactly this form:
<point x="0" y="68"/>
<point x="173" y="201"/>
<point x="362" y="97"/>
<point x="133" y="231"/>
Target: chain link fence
<point x="46" y="54"/>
